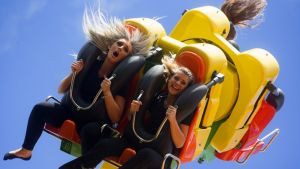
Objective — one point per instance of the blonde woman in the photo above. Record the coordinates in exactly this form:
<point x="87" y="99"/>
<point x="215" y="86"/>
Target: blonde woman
<point x="115" y="43"/>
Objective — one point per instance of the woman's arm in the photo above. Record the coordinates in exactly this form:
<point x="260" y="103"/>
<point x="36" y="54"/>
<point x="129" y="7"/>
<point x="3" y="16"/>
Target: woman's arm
<point x="114" y="104"/>
<point x="178" y="134"/>
<point x="65" y="83"/>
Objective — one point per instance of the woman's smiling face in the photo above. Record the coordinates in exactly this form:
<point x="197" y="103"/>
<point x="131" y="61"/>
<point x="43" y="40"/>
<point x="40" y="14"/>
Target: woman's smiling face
<point x="177" y="83"/>
<point x="119" y="50"/>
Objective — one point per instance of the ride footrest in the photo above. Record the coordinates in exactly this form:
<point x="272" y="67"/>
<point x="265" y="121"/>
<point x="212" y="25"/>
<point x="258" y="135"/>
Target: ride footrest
<point x="70" y="147"/>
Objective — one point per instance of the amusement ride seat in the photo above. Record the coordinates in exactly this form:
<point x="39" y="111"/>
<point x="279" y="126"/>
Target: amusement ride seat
<point x="199" y="62"/>
<point x="248" y="77"/>
<point x="232" y="115"/>
<point x="231" y="108"/>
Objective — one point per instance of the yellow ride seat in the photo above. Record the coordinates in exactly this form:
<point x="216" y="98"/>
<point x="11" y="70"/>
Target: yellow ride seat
<point x="201" y="33"/>
<point x="213" y="60"/>
<point x="246" y="74"/>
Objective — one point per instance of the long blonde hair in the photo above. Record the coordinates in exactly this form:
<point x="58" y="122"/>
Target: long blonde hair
<point x="103" y="32"/>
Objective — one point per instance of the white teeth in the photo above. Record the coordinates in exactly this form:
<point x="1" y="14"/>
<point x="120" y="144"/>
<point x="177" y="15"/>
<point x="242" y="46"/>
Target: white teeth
<point x="175" y="88"/>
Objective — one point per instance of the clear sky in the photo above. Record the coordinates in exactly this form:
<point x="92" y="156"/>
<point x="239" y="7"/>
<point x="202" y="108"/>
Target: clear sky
<point x="38" y="36"/>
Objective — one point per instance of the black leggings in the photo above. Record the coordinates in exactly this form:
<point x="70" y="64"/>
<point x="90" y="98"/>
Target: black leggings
<point x="146" y="158"/>
<point x="55" y="114"/>
<point x="95" y="149"/>
<point x="42" y="113"/>
<point x="90" y="134"/>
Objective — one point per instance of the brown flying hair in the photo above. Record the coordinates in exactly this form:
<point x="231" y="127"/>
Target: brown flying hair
<point x="242" y="13"/>
<point x="171" y="67"/>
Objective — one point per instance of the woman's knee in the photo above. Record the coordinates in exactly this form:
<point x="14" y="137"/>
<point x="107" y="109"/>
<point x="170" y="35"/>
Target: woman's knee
<point x="48" y="113"/>
<point x="39" y="110"/>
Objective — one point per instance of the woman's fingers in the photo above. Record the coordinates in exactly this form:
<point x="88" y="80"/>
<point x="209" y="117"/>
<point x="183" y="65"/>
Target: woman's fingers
<point x="135" y="105"/>
<point x="171" y="112"/>
<point x="77" y="66"/>
<point x="105" y="85"/>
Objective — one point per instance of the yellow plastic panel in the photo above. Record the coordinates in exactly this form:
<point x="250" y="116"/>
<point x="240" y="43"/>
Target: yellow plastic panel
<point x="255" y="69"/>
<point x="228" y="139"/>
<point x="212" y="106"/>
<point x="213" y="57"/>
<point x="201" y="23"/>
<point x="201" y="110"/>
<point x="107" y="165"/>
<point x="148" y="26"/>
<point x="215" y="61"/>
<point x="229" y="93"/>
<point x="169" y="44"/>
<point x="204" y="23"/>
<point x="201" y="139"/>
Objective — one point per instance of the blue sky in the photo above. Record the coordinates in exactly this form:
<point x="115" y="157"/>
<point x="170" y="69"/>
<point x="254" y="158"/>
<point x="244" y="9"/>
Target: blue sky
<point x="38" y="36"/>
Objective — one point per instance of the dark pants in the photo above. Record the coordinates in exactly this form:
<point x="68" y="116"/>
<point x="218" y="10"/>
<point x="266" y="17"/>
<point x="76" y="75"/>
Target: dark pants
<point x="94" y="153"/>
<point x="42" y="113"/>
<point x="55" y="114"/>
<point x="90" y="134"/>
<point x="104" y="148"/>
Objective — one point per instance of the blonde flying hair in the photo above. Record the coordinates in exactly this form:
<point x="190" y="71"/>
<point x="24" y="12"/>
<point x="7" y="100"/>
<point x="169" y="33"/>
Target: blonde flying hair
<point x="103" y="32"/>
<point x="242" y="13"/>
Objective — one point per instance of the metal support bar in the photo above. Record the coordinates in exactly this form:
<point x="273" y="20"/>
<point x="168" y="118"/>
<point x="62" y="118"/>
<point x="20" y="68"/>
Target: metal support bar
<point x="172" y="157"/>
<point x="53" y="98"/>
<point x="274" y="134"/>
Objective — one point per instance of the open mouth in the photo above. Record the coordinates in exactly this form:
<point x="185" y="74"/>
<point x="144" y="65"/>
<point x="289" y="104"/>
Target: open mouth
<point x="115" y="54"/>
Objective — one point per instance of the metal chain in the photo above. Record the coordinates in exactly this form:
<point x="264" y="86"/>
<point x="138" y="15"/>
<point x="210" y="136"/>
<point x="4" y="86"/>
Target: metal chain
<point x="157" y="132"/>
<point x="95" y="99"/>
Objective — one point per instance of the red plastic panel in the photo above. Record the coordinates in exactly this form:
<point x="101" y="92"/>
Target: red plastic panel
<point x="194" y="62"/>
<point x="66" y="131"/>
<point x="239" y="154"/>
<point x="264" y="115"/>
<point x="188" y="150"/>
<point x="126" y="155"/>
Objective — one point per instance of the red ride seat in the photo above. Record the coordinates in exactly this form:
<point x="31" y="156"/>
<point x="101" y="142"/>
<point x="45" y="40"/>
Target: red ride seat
<point x="250" y="142"/>
<point x="66" y="131"/>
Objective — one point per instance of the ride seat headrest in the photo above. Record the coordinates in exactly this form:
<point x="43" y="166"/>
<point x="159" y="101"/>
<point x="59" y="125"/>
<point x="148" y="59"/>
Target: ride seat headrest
<point x="189" y="100"/>
<point x="152" y="83"/>
<point x="193" y="62"/>
<point x="124" y="71"/>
